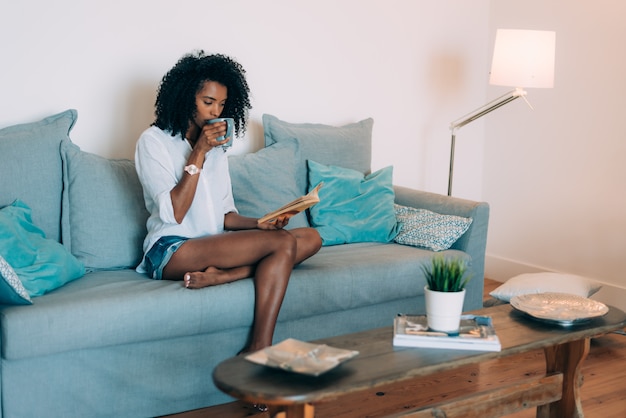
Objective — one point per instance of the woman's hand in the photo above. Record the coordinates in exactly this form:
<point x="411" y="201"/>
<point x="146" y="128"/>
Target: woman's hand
<point x="209" y="134"/>
<point x="278" y="223"/>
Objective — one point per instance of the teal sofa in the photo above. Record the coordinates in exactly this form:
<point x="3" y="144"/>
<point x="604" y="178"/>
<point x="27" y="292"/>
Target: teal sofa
<point x="114" y="343"/>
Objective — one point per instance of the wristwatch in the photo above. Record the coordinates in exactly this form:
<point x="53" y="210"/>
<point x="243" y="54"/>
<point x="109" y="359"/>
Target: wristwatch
<point x="192" y="169"/>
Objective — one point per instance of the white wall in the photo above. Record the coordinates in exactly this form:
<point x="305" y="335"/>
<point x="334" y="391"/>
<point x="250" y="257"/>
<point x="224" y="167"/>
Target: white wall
<point x="323" y="61"/>
<point x="554" y="177"/>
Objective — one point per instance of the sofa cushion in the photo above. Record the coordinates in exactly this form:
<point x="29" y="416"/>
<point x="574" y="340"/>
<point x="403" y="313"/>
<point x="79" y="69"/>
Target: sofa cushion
<point x="352" y="207"/>
<point x="357" y="275"/>
<point x="41" y="264"/>
<point x="428" y="229"/>
<point x="102" y="309"/>
<point x="117" y="307"/>
<point x="266" y="180"/>
<point x="104" y="216"/>
<point x="347" y="146"/>
<point x="31" y="168"/>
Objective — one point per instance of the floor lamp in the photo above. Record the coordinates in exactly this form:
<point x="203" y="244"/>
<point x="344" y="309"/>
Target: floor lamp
<point x="521" y="58"/>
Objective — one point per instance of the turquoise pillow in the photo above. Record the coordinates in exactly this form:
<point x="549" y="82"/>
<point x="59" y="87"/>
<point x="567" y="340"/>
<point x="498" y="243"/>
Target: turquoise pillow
<point x="347" y="146"/>
<point x="41" y="264"/>
<point x="353" y="207"/>
<point x="264" y="180"/>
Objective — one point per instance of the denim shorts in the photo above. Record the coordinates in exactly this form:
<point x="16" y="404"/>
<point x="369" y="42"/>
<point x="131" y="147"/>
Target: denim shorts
<point x="160" y="254"/>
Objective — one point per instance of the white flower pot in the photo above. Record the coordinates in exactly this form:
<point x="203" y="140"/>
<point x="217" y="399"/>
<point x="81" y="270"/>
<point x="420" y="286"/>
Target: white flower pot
<point x="444" y="309"/>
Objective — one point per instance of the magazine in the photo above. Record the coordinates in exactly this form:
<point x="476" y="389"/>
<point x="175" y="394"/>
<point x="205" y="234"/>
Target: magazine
<point x="475" y="333"/>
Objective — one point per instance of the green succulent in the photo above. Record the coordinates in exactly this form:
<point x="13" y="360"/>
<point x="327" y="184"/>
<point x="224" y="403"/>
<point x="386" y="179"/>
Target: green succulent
<point x="446" y="274"/>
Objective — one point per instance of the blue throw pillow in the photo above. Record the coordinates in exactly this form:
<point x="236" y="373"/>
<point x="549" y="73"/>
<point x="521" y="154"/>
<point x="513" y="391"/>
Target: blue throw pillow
<point x="263" y="181"/>
<point x="41" y="264"/>
<point x="353" y="207"/>
<point x="347" y="146"/>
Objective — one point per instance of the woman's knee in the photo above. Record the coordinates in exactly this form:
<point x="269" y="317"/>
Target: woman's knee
<point x="315" y="238"/>
<point x="309" y="243"/>
<point x="284" y="241"/>
<point x="310" y="238"/>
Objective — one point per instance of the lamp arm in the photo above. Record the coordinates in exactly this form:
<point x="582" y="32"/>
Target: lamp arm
<point x="472" y="116"/>
<point x="489" y="107"/>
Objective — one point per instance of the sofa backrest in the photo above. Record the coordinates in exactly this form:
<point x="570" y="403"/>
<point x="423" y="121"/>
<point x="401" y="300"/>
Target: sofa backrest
<point x="95" y="206"/>
<point x="31" y="168"/>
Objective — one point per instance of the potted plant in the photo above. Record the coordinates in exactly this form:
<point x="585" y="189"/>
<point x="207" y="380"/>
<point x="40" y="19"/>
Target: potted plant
<point x="446" y="279"/>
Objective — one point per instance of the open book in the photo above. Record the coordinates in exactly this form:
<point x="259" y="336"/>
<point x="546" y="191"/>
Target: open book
<point x="295" y="206"/>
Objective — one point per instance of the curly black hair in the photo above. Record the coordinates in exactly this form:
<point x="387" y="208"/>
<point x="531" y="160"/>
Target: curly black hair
<point x="176" y="97"/>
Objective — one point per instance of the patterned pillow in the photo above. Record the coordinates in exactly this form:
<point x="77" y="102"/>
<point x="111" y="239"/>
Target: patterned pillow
<point x="12" y="291"/>
<point x="423" y="228"/>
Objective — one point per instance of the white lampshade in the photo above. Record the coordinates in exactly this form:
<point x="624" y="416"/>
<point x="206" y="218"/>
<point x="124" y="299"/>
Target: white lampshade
<point x="523" y="58"/>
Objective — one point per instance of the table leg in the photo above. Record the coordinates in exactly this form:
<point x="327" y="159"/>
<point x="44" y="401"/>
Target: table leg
<point x="566" y="359"/>
<point x="293" y="411"/>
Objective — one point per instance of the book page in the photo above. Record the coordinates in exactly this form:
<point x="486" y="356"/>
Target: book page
<point x="295" y="206"/>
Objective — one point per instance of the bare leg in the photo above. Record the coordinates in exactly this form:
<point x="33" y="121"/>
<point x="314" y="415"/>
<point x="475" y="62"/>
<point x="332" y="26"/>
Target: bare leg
<point x="308" y="242"/>
<point x="227" y="257"/>
<point x="270" y="284"/>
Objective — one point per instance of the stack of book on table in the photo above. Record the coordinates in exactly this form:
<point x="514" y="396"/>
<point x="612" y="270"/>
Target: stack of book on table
<point x="475" y="333"/>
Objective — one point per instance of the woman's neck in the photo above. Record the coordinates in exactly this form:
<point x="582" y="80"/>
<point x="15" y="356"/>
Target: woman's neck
<point x="192" y="134"/>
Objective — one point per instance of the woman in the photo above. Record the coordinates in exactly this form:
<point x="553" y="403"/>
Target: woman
<point x="187" y="190"/>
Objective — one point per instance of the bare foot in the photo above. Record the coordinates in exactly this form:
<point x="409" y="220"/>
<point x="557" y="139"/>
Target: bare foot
<point x="213" y="276"/>
<point x="209" y="277"/>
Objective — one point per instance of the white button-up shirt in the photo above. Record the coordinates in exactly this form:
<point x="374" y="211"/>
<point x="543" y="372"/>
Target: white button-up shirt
<point x="160" y="160"/>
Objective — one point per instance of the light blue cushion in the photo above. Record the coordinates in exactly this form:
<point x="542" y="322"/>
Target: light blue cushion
<point x="427" y="229"/>
<point x="31" y="168"/>
<point x="265" y="180"/>
<point x="41" y="264"/>
<point x="12" y="290"/>
<point x="348" y="146"/>
<point x="353" y="207"/>
<point x="104" y="216"/>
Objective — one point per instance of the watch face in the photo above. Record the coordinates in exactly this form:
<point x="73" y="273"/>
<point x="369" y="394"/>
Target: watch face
<point x="192" y="169"/>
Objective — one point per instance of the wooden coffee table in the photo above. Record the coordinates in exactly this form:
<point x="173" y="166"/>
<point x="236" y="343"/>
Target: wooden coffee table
<point x="555" y="394"/>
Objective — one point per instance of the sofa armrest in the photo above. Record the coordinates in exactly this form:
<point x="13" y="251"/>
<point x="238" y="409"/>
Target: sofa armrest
<point x="473" y="242"/>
